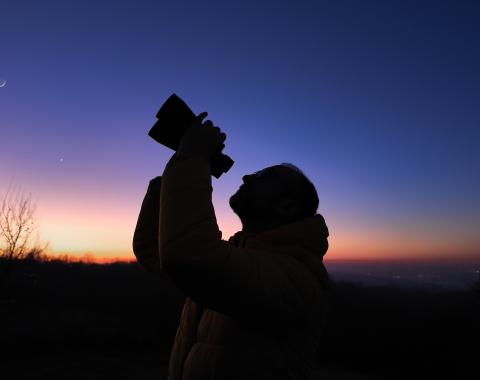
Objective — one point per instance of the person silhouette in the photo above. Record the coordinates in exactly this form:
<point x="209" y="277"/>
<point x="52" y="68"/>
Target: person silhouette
<point x="255" y="305"/>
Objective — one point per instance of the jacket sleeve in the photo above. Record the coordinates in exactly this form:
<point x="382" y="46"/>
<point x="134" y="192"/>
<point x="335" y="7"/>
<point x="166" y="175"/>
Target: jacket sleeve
<point x="145" y="237"/>
<point x="257" y="286"/>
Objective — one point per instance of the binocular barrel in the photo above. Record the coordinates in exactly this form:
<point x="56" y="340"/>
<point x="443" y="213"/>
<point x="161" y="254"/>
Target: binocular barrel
<point x="174" y="118"/>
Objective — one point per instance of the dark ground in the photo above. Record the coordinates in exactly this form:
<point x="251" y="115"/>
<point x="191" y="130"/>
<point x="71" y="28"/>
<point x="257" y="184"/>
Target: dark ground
<point x="90" y="321"/>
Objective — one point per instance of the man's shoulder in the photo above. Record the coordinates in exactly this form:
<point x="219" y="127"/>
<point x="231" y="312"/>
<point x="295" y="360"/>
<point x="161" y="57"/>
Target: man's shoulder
<point x="301" y="263"/>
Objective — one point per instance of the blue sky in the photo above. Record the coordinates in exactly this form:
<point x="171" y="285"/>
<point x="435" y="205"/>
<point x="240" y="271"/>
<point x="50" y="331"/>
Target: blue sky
<point x="377" y="101"/>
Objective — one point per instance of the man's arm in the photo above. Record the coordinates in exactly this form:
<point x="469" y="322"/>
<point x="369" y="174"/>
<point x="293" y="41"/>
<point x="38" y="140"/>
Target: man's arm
<point x="257" y="286"/>
<point x="145" y="238"/>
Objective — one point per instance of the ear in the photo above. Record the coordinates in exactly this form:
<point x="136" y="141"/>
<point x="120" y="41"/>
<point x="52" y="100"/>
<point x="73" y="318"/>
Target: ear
<point x="287" y="208"/>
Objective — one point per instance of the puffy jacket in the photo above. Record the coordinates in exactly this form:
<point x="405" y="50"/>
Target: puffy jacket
<point x="255" y="304"/>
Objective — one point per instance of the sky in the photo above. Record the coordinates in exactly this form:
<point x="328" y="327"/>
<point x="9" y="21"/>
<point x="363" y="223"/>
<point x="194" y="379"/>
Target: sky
<point x="378" y="102"/>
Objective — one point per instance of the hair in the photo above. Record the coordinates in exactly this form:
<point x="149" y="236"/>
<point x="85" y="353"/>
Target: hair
<point x="304" y="192"/>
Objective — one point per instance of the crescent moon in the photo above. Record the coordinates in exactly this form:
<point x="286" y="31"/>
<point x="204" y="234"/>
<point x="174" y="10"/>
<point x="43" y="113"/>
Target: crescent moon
<point x="3" y="83"/>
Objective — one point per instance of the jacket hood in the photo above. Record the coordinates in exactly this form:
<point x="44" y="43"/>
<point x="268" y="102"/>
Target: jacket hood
<point x="309" y="233"/>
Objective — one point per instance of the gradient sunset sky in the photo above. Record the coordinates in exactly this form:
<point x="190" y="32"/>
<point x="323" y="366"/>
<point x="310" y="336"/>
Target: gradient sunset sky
<point x="378" y="102"/>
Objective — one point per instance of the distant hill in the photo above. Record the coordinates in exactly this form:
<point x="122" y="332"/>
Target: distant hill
<point x="69" y="314"/>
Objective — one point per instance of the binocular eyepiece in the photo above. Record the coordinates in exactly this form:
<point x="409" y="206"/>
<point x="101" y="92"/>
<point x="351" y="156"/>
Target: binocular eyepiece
<point x="174" y="118"/>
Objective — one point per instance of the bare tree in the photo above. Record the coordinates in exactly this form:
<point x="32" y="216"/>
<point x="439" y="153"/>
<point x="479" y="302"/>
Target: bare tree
<point x="17" y="223"/>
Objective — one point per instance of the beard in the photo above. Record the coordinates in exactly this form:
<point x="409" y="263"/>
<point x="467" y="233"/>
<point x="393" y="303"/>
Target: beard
<point x="239" y="203"/>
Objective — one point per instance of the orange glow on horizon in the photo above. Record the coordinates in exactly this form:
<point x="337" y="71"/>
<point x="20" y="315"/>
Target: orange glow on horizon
<point x="90" y="258"/>
<point x="103" y="230"/>
<point x="333" y="255"/>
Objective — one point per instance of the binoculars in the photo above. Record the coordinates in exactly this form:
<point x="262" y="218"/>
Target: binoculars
<point x="174" y="118"/>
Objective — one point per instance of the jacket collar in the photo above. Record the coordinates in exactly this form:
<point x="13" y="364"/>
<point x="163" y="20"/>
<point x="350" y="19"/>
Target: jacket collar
<point x="309" y="233"/>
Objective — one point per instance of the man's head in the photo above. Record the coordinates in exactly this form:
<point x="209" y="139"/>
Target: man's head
<point x="274" y="196"/>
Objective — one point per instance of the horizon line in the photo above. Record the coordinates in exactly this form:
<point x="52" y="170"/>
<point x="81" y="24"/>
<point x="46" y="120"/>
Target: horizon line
<point x="90" y="257"/>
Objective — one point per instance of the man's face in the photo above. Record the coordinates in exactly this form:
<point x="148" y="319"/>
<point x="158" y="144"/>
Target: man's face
<point x="259" y="192"/>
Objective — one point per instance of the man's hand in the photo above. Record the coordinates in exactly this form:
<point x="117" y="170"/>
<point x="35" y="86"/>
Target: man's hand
<point x="202" y="138"/>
